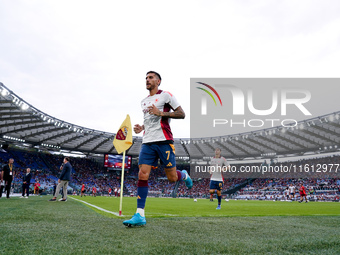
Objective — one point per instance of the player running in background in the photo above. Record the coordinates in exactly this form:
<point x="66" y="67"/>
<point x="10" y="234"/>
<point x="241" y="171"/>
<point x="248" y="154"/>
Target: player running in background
<point x="94" y="191"/>
<point x="36" y="188"/>
<point x="286" y="193"/>
<point x="292" y="191"/>
<point x="303" y="194"/>
<point x="82" y="192"/>
<point x="157" y="142"/>
<point x="217" y="163"/>
<point x="110" y="192"/>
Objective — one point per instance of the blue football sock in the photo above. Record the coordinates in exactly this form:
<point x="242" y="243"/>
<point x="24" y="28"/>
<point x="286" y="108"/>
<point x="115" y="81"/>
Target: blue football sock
<point x="219" y="198"/>
<point x="142" y="193"/>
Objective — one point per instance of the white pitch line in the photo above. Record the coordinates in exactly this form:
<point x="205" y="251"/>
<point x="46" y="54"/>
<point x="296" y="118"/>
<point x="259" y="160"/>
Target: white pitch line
<point x="97" y="207"/>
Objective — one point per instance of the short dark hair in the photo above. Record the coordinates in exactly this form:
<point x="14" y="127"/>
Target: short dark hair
<point x="67" y="158"/>
<point x="157" y="74"/>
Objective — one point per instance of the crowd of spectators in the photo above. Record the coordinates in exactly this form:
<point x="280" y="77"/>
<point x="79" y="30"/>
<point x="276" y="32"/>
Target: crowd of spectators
<point x="274" y="189"/>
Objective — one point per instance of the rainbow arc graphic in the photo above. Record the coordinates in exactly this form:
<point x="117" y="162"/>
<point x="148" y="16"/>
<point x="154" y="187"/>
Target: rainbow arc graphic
<point x="209" y="93"/>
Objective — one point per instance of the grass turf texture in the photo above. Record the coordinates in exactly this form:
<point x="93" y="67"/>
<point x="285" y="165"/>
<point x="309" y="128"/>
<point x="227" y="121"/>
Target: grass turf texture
<point x="36" y="226"/>
<point x="169" y="207"/>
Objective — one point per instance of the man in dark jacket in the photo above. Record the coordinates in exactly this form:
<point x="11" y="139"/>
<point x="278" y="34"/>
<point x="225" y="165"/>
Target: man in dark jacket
<point x="26" y="180"/>
<point x="64" y="179"/>
<point x="7" y="175"/>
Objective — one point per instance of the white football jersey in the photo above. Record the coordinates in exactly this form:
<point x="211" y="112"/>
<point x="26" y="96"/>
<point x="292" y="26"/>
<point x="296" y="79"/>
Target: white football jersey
<point x="157" y="128"/>
<point x="218" y="164"/>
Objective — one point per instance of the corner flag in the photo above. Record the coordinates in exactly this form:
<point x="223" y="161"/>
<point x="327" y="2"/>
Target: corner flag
<point x="122" y="142"/>
<point x="123" y="138"/>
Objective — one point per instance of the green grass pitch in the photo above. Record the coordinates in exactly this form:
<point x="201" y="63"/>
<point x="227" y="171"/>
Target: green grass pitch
<point x="174" y="226"/>
<point x="169" y="207"/>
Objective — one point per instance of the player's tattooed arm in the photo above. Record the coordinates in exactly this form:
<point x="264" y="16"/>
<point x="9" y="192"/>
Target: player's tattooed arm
<point x="178" y="113"/>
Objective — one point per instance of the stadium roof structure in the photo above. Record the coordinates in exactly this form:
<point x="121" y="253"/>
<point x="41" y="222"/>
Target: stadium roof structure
<point x="22" y="123"/>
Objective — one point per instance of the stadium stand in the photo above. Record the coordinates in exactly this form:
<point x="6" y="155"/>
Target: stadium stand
<point x="92" y="174"/>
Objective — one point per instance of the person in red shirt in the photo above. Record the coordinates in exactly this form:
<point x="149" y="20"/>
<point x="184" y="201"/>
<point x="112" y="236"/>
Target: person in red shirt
<point x="94" y="191"/>
<point x="303" y="194"/>
<point x="36" y="188"/>
<point x="110" y="192"/>
<point x="82" y="192"/>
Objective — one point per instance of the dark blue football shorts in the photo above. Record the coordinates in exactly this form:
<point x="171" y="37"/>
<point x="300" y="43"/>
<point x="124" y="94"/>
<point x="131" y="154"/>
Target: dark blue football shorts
<point x="151" y="152"/>
<point x="216" y="185"/>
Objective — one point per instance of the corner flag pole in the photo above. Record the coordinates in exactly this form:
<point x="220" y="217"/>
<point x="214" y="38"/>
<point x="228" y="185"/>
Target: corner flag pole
<point x="122" y="186"/>
<point x="122" y="142"/>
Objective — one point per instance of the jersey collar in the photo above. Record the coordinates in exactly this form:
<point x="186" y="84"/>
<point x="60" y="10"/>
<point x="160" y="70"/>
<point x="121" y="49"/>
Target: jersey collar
<point x="158" y="92"/>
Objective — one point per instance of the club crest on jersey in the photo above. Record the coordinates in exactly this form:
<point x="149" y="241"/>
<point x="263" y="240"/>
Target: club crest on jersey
<point x="122" y="133"/>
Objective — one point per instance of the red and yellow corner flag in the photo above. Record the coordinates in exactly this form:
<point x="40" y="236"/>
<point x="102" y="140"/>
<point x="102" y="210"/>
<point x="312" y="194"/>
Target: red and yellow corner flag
<point x="123" y="138"/>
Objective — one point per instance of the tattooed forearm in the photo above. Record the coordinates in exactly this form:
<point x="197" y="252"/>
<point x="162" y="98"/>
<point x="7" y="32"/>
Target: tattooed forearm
<point x="177" y="114"/>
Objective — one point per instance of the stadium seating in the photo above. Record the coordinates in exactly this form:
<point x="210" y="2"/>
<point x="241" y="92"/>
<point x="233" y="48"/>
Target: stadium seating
<point x="46" y="169"/>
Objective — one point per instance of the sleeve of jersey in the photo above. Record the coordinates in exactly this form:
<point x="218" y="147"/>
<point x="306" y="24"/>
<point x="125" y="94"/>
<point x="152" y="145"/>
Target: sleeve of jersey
<point x="172" y="101"/>
<point x="226" y="162"/>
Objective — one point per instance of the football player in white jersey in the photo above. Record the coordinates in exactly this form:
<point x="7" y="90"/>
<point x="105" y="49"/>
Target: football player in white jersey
<point x="217" y="165"/>
<point x="158" y="108"/>
<point x="292" y="191"/>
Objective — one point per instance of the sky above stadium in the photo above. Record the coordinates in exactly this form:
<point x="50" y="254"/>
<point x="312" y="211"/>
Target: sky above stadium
<point x="85" y="62"/>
